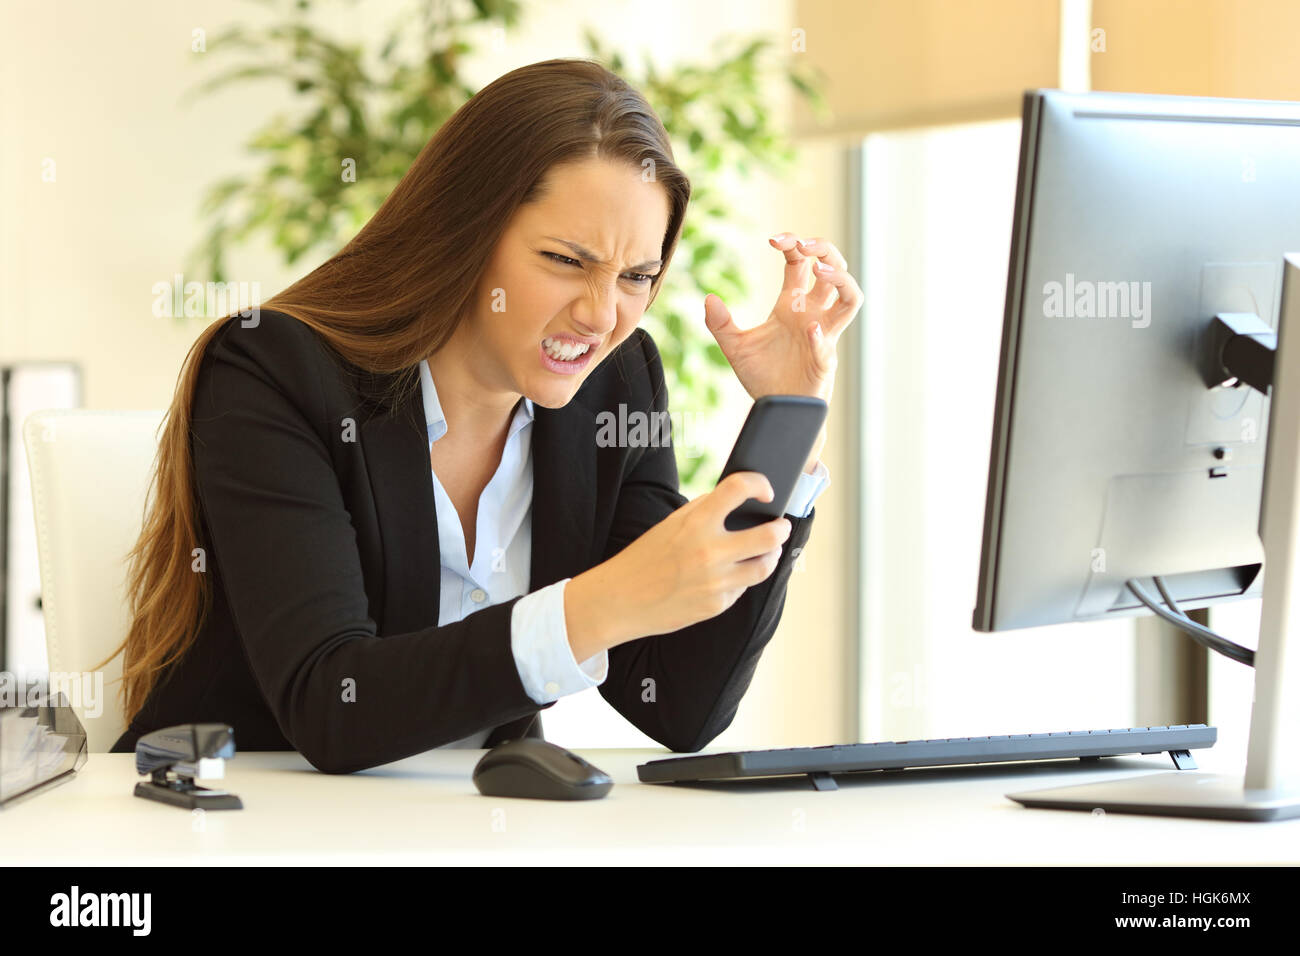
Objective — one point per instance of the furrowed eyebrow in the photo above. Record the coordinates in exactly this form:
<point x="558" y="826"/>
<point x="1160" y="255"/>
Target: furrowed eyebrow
<point x="588" y="256"/>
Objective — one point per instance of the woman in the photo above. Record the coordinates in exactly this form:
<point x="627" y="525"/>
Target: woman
<point x="381" y="521"/>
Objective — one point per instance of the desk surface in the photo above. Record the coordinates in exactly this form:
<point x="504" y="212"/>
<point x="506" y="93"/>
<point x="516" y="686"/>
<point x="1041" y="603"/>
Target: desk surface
<point x="425" y="810"/>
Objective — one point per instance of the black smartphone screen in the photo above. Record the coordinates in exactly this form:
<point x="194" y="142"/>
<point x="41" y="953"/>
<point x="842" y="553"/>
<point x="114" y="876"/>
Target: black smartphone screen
<point x="775" y="440"/>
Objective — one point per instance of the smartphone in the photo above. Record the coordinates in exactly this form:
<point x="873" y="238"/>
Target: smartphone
<point x="775" y="440"/>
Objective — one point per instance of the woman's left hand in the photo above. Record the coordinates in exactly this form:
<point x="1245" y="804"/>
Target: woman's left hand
<point x="793" y="351"/>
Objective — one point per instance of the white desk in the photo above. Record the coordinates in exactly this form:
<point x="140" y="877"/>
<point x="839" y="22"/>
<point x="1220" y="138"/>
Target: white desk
<point x="425" y="810"/>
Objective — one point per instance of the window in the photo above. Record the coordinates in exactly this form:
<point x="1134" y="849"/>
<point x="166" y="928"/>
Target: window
<point x="936" y="223"/>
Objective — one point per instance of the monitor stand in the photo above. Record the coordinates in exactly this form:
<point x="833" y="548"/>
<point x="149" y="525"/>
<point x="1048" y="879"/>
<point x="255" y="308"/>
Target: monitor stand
<point x="1172" y="793"/>
<point x="1270" y="789"/>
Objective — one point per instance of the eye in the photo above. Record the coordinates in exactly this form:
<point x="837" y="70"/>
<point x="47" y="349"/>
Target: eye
<point x="638" y="277"/>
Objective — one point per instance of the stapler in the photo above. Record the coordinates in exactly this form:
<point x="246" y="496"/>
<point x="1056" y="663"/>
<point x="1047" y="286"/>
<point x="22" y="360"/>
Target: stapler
<point x="176" y="755"/>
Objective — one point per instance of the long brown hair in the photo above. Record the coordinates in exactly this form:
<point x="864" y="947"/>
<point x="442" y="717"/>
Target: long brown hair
<point x="395" y="293"/>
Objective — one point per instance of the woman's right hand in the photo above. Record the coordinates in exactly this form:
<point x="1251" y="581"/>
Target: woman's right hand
<point x="685" y="569"/>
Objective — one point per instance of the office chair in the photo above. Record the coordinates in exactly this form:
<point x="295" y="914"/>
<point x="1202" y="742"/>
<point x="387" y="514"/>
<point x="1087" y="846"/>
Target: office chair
<point x="90" y="472"/>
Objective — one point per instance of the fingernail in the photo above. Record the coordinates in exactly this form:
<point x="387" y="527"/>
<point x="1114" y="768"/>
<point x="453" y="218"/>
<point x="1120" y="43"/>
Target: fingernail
<point x="777" y="238"/>
<point x="824" y="268"/>
<point x="807" y="242"/>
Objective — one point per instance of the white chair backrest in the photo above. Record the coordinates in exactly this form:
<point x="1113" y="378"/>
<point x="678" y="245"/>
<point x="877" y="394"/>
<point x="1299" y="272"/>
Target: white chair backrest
<point x="90" y="474"/>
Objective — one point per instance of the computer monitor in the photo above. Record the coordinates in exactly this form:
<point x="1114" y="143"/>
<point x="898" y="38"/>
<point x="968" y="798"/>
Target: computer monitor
<point x="1117" y="453"/>
<point x="1137" y="219"/>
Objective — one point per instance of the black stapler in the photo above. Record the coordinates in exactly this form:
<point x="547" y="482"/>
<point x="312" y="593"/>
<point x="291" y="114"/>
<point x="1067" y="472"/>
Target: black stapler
<point x="176" y="755"/>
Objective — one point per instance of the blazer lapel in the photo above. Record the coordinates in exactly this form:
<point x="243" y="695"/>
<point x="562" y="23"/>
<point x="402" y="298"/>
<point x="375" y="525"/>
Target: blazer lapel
<point x="563" y="513"/>
<point x="397" y="459"/>
<point x="564" y="492"/>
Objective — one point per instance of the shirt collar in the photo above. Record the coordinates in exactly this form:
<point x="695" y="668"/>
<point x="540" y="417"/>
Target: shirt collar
<point x="437" y="421"/>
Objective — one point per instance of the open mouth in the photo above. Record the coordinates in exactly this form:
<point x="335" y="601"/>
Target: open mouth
<point x="565" y="355"/>
<point x="563" y="350"/>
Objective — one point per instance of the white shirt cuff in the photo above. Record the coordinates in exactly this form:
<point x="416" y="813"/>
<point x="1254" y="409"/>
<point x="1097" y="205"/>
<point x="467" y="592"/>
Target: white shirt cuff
<point x="539" y="640"/>
<point x="806" y="490"/>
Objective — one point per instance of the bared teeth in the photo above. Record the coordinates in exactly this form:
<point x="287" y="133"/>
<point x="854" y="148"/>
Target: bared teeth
<point x="564" y="351"/>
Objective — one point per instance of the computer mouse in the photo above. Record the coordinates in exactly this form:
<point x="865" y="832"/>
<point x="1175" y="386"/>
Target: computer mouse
<point x="529" y="767"/>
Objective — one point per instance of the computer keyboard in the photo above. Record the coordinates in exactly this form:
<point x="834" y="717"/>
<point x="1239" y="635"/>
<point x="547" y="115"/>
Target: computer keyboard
<point x="819" y="763"/>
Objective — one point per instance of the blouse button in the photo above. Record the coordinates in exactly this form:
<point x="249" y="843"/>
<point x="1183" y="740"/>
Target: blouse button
<point x="478" y="595"/>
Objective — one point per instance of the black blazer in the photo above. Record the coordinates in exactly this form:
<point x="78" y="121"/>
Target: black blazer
<point x="320" y="534"/>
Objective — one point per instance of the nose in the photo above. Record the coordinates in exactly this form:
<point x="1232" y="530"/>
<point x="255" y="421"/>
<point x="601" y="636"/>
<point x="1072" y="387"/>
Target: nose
<point x="597" y="313"/>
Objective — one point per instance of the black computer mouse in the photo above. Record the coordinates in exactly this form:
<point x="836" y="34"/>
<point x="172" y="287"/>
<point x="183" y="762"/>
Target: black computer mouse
<point x="529" y="767"/>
